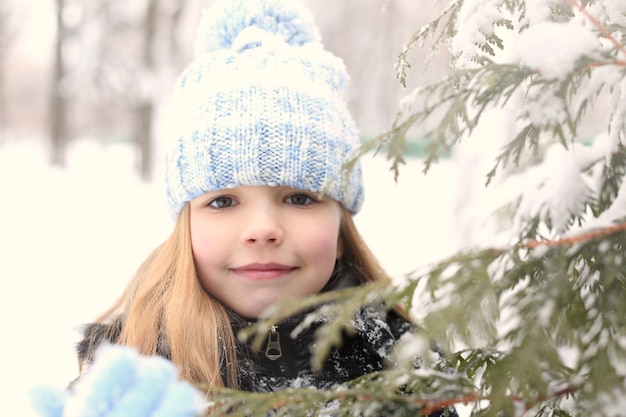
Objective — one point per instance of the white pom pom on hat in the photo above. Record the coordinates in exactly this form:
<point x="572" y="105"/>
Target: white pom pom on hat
<point x="262" y="103"/>
<point x="226" y="19"/>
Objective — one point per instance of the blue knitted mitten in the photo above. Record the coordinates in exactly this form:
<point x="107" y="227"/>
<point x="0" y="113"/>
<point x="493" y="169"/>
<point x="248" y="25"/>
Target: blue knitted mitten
<point x="122" y="383"/>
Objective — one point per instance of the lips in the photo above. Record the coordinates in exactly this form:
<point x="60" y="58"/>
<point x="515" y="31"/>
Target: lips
<point x="264" y="271"/>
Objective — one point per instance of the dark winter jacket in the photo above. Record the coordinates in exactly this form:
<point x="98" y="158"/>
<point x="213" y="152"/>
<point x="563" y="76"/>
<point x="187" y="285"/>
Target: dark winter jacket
<point x="285" y="359"/>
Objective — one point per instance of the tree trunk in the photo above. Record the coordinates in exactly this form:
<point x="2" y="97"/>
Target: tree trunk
<point x="144" y="138"/>
<point x="174" y="46"/>
<point x="145" y="106"/>
<point x="3" y="46"/>
<point x="58" y="110"/>
<point x="5" y="40"/>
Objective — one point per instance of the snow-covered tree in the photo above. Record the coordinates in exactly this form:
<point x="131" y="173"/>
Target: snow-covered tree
<point x="531" y="313"/>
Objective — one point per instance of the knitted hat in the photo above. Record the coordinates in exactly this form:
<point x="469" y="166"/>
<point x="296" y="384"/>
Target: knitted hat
<point x="261" y="104"/>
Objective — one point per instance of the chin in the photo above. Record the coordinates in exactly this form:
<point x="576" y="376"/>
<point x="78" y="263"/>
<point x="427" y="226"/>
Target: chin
<point x="249" y="313"/>
<point x="257" y="308"/>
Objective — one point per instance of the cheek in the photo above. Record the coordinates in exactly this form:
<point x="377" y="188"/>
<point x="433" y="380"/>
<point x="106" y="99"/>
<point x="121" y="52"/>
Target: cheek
<point x="206" y="245"/>
<point x="322" y="243"/>
<point x="200" y="248"/>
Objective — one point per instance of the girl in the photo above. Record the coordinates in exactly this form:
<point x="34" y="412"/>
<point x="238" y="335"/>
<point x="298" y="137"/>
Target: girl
<point x="259" y="133"/>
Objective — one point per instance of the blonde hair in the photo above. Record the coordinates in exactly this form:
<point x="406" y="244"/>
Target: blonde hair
<point x="165" y="309"/>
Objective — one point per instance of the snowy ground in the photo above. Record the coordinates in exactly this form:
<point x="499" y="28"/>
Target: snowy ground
<point x="70" y="239"/>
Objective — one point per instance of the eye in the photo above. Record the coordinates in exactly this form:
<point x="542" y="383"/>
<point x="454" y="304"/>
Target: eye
<point x="223" y="202"/>
<point x="300" y="199"/>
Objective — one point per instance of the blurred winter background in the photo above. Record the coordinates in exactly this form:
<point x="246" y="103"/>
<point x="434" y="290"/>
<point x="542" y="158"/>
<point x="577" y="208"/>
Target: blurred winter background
<point x="80" y="177"/>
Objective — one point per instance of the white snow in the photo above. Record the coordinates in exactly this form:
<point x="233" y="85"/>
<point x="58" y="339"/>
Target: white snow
<point x="615" y="11"/>
<point x="69" y="240"/>
<point x="538" y="11"/>
<point x="561" y="45"/>
<point x="558" y="190"/>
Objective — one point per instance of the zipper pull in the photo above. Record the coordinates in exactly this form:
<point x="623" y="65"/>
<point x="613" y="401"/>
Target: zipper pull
<point x="273" y="350"/>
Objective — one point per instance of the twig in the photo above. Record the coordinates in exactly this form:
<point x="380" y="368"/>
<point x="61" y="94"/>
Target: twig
<point x="575" y="239"/>
<point x="434" y="406"/>
<point x="440" y="405"/>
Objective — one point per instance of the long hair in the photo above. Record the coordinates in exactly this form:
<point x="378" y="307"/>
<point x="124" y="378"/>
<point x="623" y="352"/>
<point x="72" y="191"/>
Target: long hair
<point x="165" y="310"/>
<point x="356" y="255"/>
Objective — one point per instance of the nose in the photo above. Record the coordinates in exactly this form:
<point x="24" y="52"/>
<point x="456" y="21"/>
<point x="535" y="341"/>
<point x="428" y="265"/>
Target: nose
<point x="263" y="227"/>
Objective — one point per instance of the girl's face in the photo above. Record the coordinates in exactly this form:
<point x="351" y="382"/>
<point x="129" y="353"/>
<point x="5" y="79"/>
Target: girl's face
<point x="254" y="246"/>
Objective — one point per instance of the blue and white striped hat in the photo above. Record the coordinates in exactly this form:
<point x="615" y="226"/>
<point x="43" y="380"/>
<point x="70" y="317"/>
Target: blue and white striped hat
<point x="262" y="103"/>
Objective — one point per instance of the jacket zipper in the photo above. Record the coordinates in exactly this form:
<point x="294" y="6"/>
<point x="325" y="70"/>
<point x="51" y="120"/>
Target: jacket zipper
<point x="273" y="350"/>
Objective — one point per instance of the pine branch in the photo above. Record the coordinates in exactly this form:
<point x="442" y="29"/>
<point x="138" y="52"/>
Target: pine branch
<point x="402" y="63"/>
<point x="394" y="392"/>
